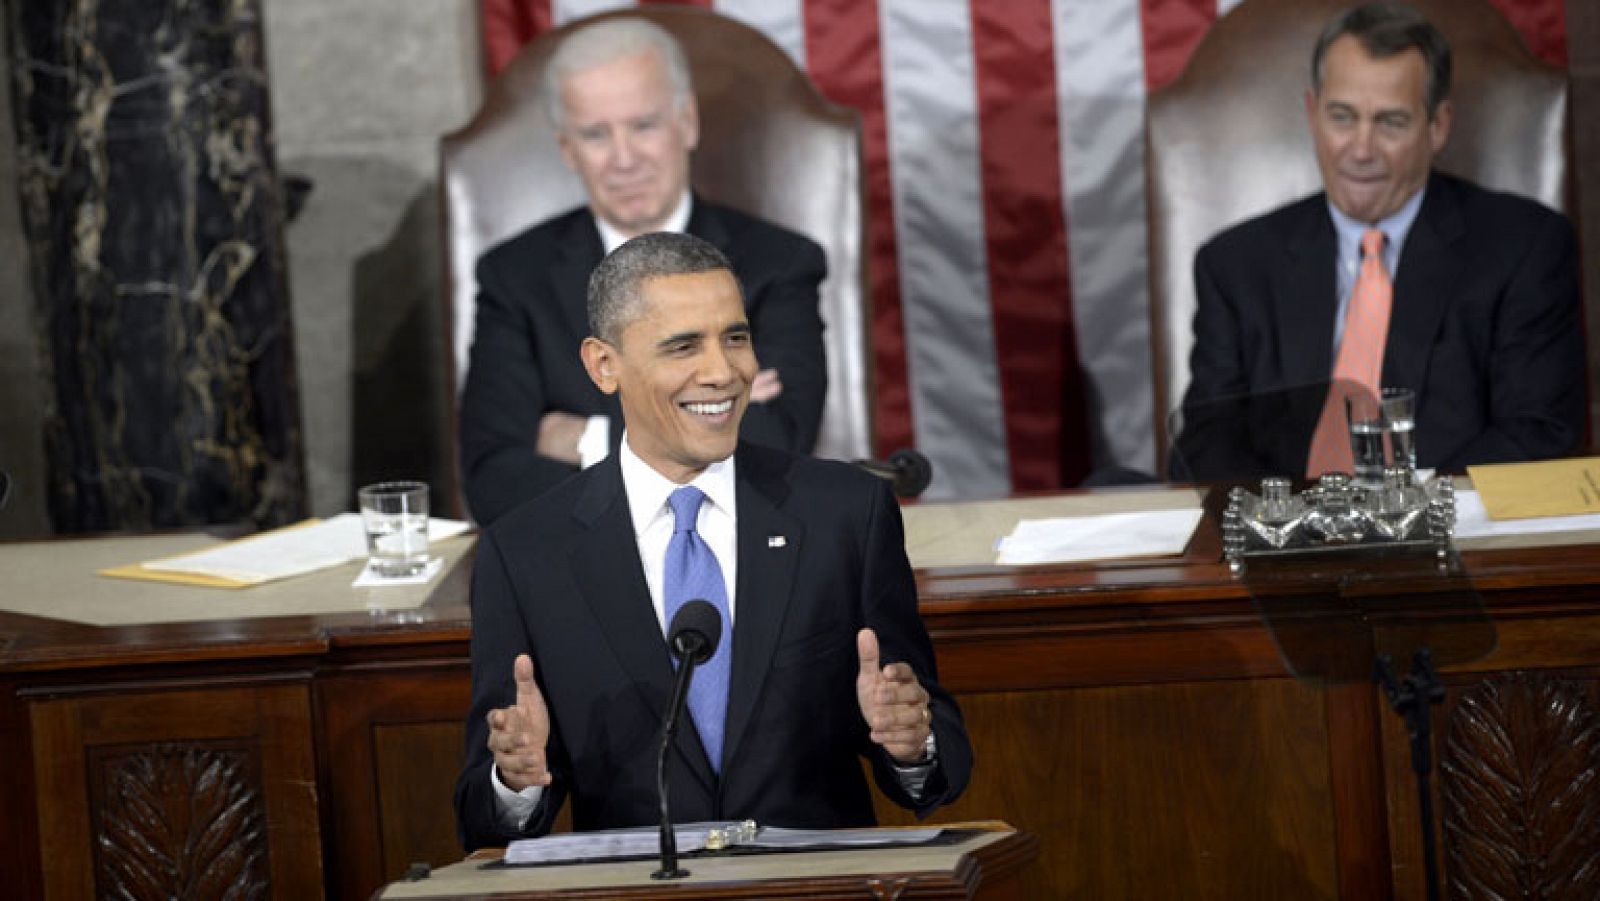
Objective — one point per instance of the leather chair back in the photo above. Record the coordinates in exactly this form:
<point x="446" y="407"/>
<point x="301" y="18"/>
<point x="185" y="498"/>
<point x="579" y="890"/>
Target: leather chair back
<point x="770" y="144"/>
<point x="1228" y="140"/>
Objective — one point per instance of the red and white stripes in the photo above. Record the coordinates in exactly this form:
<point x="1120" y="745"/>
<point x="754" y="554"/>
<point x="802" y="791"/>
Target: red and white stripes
<point x="1004" y="145"/>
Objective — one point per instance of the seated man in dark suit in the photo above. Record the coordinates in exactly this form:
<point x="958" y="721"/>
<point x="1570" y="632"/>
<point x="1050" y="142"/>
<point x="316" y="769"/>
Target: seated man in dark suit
<point x="619" y="95"/>
<point x="805" y="560"/>
<point x="1467" y="297"/>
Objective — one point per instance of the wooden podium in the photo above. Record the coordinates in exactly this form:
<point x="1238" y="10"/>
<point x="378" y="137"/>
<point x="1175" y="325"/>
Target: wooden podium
<point x="984" y="864"/>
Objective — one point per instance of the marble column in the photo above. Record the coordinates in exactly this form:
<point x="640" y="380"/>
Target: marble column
<point x="154" y="220"/>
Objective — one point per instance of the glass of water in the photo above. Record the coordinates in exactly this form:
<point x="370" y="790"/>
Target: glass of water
<point x="1400" y="425"/>
<point x="1365" y="418"/>
<point x="395" y="515"/>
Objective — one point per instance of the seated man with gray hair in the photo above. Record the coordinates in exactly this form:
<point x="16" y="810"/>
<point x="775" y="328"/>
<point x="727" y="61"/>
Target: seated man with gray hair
<point x="619" y="95"/>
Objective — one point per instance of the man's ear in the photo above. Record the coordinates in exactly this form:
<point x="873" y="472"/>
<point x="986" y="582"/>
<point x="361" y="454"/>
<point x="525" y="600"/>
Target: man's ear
<point x="690" y="122"/>
<point x="1439" y="126"/>
<point x="563" y="139"/>
<point x="600" y="361"/>
<point x="568" y="154"/>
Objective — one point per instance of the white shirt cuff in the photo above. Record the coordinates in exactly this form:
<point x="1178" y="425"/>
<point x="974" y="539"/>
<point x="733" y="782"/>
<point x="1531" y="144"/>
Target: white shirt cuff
<point x="512" y="808"/>
<point x="594" y="444"/>
<point x="914" y="778"/>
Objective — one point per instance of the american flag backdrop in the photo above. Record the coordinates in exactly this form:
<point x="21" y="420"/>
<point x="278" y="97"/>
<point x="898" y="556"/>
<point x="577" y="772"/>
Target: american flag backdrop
<point x="1005" y="170"/>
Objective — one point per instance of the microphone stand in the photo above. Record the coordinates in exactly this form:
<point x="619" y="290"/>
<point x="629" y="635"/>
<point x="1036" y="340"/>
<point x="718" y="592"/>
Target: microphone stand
<point x="669" y="838"/>
<point x="1413" y="699"/>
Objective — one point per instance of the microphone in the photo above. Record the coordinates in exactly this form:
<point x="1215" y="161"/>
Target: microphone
<point x="907" y="470"/>
<point x="696" y="628"/>
<point x="694" y="633"/>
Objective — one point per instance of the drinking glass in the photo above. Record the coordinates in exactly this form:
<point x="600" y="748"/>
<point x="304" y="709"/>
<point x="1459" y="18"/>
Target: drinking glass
<point x="1399" y="407"/>
<point x="1365" y="418"/>
<point x="395" y="515"/>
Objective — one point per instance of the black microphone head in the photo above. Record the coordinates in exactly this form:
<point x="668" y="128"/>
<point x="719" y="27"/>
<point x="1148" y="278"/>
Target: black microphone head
<point x="912" y="472"/>
<point x="696" y="629"/>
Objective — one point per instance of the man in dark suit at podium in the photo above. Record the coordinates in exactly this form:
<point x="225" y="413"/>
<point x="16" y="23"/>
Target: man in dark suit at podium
<point x="1467" y="297"/>
<point x="823" y="659"/>
<point x="620" y="97"/>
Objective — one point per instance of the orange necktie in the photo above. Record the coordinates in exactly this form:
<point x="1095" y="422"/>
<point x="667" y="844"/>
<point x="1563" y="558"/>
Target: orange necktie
<point x="1359" y="365"/>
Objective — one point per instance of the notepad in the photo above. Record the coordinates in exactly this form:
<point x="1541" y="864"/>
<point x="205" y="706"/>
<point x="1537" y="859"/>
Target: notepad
<point x="295" y="550"/>
<point x="1545" y="488"/>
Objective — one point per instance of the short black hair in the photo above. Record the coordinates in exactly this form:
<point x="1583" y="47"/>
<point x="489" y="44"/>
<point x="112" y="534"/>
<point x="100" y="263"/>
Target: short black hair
<point x="614" y="295"/>
<point x="1385" y="29"/>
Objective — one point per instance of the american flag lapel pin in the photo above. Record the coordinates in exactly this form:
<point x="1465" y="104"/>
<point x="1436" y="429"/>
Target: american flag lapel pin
<point x="777" y="541"/>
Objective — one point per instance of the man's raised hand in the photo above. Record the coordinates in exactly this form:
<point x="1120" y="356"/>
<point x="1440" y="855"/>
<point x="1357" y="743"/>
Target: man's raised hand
<point x="518" y="734"/>
<point x="893" y="702"/>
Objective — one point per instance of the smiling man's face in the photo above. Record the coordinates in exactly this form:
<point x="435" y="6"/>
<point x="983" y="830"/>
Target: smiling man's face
<point x="683" y="367"/>
<point x="1375" y="140"/>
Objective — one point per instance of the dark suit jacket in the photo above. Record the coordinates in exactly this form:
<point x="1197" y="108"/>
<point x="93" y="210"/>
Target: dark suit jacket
<point x="560" y="578"/>
<point x="532" y="317"/>
<point x="1485" y="328"/>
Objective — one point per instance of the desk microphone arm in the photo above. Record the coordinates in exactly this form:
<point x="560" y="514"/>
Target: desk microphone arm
<point x="669" y="838"/>
<point x="696" y="629"/>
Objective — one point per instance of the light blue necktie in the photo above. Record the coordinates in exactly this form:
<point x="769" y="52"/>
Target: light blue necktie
<point x="692" y="572"/>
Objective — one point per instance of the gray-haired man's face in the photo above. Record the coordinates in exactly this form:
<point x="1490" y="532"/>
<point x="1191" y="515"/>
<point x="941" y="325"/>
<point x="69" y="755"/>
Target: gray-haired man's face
<point x="1375" y="140"/>
<point x="628" y="140"/>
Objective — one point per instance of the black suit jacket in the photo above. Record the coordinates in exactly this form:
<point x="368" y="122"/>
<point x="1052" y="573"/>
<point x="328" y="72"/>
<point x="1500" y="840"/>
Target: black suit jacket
<point x="561" y="578"/>
<point x="1485" y="328"/>
<point x="532" y="317"/>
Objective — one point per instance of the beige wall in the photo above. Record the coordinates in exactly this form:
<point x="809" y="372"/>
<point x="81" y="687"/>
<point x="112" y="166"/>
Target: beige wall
<point x="361" y="92"/>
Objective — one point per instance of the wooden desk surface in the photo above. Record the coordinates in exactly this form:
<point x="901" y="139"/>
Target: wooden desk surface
<point x="1136" y="716"/>
<point x="1138" y="594"/>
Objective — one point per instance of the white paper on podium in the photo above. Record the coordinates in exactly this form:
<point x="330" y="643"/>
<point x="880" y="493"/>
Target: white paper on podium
<point x="645" y="842"/>
<point x="574" y="846"/>
<point x="1072" y="539"/>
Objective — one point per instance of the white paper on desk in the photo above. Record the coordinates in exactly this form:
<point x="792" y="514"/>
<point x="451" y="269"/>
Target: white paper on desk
<point x="573" y="846"/>
<point x="289" y="552"/>
<point x="1472" y="520"/>
<point x="1152" y="533"/>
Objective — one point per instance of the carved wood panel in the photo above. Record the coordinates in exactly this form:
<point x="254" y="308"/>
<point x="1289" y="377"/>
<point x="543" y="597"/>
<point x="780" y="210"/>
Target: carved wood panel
<point x="175" y="793"/>
<point x="178" y="821"/>
<point x="1518" y="790"/>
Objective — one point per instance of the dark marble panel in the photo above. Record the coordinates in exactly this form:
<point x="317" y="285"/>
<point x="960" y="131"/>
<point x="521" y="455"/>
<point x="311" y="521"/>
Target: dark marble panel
<point x="154" y="221"/>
